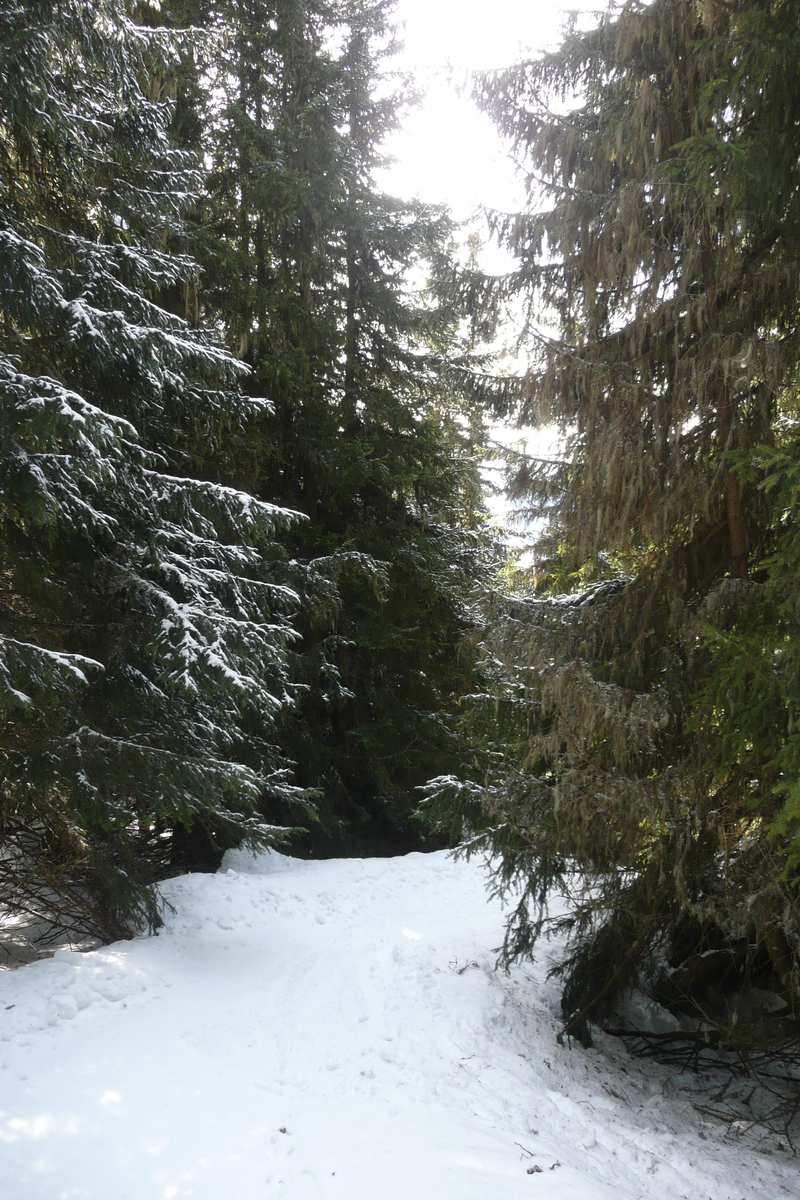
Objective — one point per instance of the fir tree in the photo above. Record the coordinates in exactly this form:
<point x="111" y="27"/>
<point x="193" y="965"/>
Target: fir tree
<point x="650" y="674"/>
<point x="143" y="640"/>
<point x="306" y="265"/>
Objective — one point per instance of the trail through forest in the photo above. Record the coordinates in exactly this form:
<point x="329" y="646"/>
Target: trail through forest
<point x="337" y="1029"/>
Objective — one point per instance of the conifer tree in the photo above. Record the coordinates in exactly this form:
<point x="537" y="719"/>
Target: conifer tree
<point x="306" y="265"/>
<point x="143" y="640"/>
<point x="649" y="674"/>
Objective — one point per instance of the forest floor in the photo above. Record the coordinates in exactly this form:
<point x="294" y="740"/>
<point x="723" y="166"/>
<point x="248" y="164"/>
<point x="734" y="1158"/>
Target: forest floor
<point x="338" y="1030"/>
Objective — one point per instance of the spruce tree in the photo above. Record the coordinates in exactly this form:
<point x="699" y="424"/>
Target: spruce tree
<point x="306" y="265"/>
<point x="143" y="638"/>
<point x="649" y="672"/>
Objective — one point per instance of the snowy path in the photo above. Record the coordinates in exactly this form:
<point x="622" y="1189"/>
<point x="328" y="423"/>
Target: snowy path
<point x="334" y="1029"/>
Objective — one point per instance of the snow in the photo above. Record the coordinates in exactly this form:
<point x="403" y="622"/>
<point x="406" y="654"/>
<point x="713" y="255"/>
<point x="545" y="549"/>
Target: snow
<point x="336" y="1030"/>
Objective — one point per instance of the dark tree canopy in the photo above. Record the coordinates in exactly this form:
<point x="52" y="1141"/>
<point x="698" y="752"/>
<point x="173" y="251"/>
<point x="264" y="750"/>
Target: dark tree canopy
<point x="315" y="276"/>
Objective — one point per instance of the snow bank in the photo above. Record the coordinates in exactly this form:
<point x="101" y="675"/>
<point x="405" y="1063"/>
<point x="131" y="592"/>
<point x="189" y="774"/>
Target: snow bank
<point x="334" y="1030"/>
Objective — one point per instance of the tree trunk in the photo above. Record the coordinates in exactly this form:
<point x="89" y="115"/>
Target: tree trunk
<point x="350" y="335"/>
<point x="734" y="504"/>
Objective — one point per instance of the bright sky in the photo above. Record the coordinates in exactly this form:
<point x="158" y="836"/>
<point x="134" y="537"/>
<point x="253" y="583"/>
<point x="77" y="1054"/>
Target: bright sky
<point x="449" y="152"/>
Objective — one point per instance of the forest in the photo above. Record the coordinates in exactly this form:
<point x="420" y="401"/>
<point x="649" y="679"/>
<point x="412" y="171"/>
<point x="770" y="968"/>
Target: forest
<point x="252" y="595"/>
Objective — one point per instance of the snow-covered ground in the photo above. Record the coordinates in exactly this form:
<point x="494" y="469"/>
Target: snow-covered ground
<point x="335" y="1029"/>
